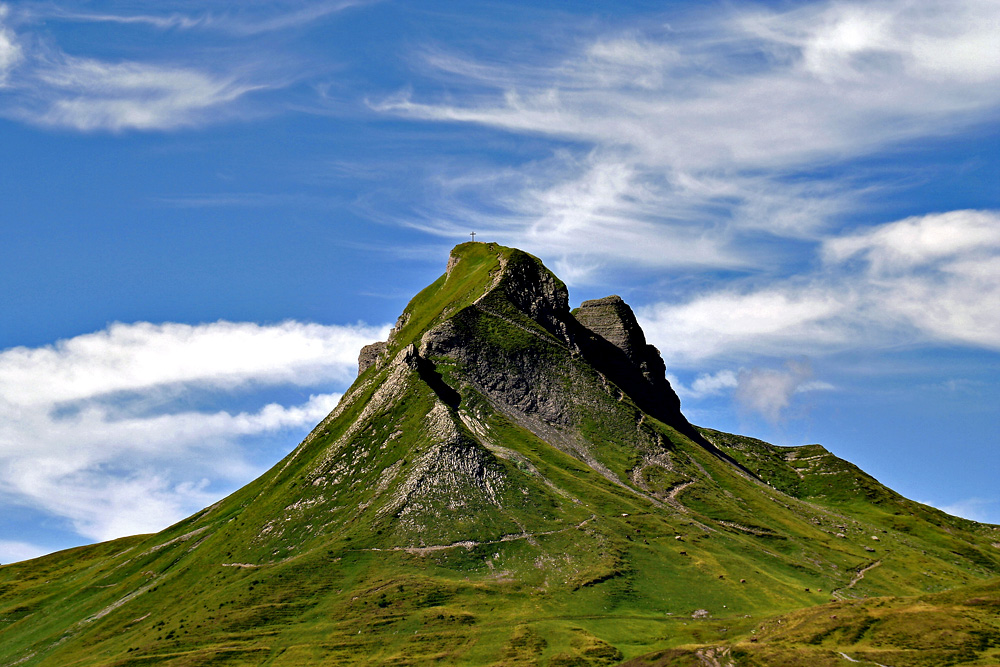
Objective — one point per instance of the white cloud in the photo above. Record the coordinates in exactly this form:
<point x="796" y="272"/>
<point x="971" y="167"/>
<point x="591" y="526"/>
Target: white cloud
<point x="10" y="51"/>
<point x="111" y="476"/>
<point x="87" y="94"/>
<point x="765" y="391"/>
<point x="939" y="272"/>
<point x="73" y="444"/>
<point x="770" y="321"/>
<point x="932" y="39"/>
<point x="12" y="551"/>
<point x="143" y="356"/>
<point x="976" y="509"/>
<point x="694" y="137"/>
<point x="924" y="280"/>
<point x="705" y="384"/>
<point x="57" y="89"/>
<point x="920" y="241"/>
<point x="768" y="391"/>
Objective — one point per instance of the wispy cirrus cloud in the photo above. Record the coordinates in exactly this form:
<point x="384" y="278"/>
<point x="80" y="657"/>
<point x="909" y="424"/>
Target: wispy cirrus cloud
<point x="196" y="84"/>
<point x="96" y="431"/>
<point x="735" y="129"/>
<point x="86" y="94"/>
<point x="248" y="20"/>
<point x="10" y="50"/>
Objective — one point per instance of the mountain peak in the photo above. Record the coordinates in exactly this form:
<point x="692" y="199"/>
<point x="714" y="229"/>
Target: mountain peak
<point x="488" y="283"/>
<point x="506" y="482"/>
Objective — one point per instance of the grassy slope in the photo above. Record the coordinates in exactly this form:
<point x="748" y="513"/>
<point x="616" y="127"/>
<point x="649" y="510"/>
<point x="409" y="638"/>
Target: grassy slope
<point x="957" y="627"/>
<point x="567" y="565"/>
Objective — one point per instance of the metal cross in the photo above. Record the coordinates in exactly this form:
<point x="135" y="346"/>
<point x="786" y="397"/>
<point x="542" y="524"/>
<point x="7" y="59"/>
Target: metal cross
<point x="473" y="235"/>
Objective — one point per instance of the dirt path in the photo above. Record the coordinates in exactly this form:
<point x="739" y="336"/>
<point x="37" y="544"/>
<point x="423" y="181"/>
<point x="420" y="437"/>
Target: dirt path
<point x="674" y="492"/>
<point x="867" y="662"/>
<point x="861" y="573"/>
<point x="468" y="544"/>
<point x="858" y="576"/>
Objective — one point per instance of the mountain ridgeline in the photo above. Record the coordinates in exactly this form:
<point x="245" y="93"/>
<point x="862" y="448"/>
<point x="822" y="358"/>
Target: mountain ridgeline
<point x="511" y="482"/>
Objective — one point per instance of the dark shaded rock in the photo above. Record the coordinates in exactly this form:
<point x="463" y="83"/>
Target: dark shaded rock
<point x="619" y="349"/>
<point x="613" y="320"/>
<point x="529" y="287"/>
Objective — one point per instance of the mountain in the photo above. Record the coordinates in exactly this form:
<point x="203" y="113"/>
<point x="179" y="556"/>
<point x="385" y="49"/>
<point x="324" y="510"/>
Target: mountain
<point x="506" y="482"/>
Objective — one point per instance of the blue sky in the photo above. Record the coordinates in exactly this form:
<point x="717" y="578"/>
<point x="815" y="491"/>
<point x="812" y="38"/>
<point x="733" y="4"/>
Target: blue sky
<point x="209" y="207"/>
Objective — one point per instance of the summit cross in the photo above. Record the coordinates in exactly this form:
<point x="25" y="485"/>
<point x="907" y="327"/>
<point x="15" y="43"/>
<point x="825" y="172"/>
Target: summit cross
<point x="473" y="235"/>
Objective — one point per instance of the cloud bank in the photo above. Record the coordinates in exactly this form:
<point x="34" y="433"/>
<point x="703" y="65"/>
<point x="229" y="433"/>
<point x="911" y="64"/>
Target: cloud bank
<point x="95" y="431"/>
<point x="922" y="280"/>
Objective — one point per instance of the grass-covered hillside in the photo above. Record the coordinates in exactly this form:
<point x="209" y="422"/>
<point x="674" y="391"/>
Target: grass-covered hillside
<point x="957" y="627"/>
<point x="501" y="485"/>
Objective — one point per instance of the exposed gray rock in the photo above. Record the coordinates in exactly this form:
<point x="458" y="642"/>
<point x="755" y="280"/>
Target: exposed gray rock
<point x="614" y="343"/>
<point x="370" y="355"/>
<point x="613" y="320"/>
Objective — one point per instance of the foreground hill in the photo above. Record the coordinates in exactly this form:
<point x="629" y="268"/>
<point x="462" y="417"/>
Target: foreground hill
<point x="507" y="482"/>
<point x="958" y="627"/>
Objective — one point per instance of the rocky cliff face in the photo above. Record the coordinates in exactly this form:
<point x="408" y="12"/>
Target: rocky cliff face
<point x="613" y="320"/>
<point x="632" y="363"/>
<point x="527" y="298"/>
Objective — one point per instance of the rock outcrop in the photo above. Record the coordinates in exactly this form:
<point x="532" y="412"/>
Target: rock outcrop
<point x="370" y="356"/>
<point x="621" y="352"/>
<point x="613" y="320"/>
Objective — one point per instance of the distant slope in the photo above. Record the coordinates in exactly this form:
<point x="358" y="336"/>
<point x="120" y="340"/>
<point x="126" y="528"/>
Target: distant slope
<point x="958" y="627"/>
<point x="505" y="483"/>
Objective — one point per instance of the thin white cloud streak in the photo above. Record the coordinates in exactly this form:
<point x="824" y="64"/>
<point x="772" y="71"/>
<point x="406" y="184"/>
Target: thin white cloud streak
<point x="70" y="446"/>
<point x="165" y="22"/>
<point x="708" y="126"/>
<point x="922" y="280"/>
<point x="230" y="22"/>
<point x="87" y="95"/>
